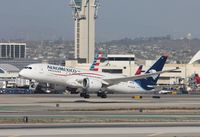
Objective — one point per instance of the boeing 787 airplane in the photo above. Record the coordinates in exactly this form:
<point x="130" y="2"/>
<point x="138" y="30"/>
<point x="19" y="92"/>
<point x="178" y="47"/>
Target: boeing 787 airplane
<point x="93" y="81"/>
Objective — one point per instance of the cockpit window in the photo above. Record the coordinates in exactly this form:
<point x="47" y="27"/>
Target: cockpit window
<point x="27" y="67"/>
<point x="1" y="71"/>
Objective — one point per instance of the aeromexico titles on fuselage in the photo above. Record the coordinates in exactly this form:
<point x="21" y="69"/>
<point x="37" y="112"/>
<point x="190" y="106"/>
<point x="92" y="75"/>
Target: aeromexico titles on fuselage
<point x="68" y="71"/>
<point x="60" y="69"/>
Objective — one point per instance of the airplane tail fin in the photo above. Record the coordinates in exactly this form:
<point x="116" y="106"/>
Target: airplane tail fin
<point x="139" y="70"/>
<point x="150" y="82"/>
<point x="197" y="78"/>
<point x="96" y="62"/>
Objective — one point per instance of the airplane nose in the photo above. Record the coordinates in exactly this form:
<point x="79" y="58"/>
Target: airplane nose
<point x="21" y="73"/>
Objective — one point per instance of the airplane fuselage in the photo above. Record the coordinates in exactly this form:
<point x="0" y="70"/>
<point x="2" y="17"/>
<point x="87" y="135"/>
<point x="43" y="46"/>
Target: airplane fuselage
<point x="73" y="77"/>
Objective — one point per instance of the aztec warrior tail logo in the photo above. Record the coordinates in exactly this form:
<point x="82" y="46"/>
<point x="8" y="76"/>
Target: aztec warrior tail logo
<point x="153" y="76"/>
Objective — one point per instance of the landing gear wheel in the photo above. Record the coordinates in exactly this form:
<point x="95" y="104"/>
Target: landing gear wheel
<point x="87" y="96"/>
<point x="81" y="94"/>
<point x="98" y="94"/>
<point x="103" y="95"/>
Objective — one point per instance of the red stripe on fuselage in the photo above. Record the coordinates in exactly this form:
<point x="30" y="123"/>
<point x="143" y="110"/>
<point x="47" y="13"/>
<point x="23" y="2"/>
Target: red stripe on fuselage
<point x="78" y="74"/>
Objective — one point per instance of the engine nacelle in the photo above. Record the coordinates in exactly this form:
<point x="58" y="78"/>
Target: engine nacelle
<point x="92" y="85"/>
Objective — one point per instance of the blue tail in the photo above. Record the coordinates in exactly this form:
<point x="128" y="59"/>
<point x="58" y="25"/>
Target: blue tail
<point x="150" y="82"/>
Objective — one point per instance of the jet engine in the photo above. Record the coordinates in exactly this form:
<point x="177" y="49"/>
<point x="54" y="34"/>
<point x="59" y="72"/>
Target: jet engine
<point x="92" y="85"/>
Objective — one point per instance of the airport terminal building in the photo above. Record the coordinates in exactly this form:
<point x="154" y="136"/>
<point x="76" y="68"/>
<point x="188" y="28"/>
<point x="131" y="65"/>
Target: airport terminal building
<point x="12" y="50"/>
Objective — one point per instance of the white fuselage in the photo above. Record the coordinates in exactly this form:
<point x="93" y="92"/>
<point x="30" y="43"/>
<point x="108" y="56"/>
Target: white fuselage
<point x="72" y="77"/>
<point x="126" y="87"/>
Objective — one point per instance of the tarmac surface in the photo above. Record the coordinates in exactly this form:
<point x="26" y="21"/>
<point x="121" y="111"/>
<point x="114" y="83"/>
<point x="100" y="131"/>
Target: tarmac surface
<point x="104" y="132"/>
<point x="118" y="115"/>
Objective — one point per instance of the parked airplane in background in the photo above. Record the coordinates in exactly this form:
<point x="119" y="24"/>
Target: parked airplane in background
<point x="96" y="62"/>
<point x="197" y="78"/>
<point x="92" y="81"/>
<point x="139" y="70"/>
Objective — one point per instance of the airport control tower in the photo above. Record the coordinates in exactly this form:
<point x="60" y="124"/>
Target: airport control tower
<point x="85" y="14"/>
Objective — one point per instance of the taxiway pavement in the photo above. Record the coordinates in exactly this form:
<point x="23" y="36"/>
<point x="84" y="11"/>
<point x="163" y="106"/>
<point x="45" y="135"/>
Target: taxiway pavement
<point x="104" y="132"/>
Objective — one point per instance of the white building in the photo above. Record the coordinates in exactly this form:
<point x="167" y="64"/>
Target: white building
<point x="8" y="75"/>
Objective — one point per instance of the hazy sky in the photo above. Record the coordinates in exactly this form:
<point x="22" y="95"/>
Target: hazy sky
<point x="50" y="19"/>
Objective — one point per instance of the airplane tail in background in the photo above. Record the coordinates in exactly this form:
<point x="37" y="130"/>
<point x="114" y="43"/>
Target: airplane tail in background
<point x="197" y="78"/>
<point x="150" y="82"/>
<point x="96" y="62"/>
<point x="139" y="70"/>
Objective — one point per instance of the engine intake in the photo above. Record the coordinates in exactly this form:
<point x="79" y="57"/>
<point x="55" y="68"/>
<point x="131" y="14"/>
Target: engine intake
<point x="92" y="85"/>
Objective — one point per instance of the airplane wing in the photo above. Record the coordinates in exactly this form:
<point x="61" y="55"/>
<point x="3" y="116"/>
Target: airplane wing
<point x="125" y="79"/>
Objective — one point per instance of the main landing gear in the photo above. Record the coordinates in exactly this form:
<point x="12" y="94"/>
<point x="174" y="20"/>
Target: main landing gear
<point x="84" y="95"/>
<point x="101" y="94"/>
